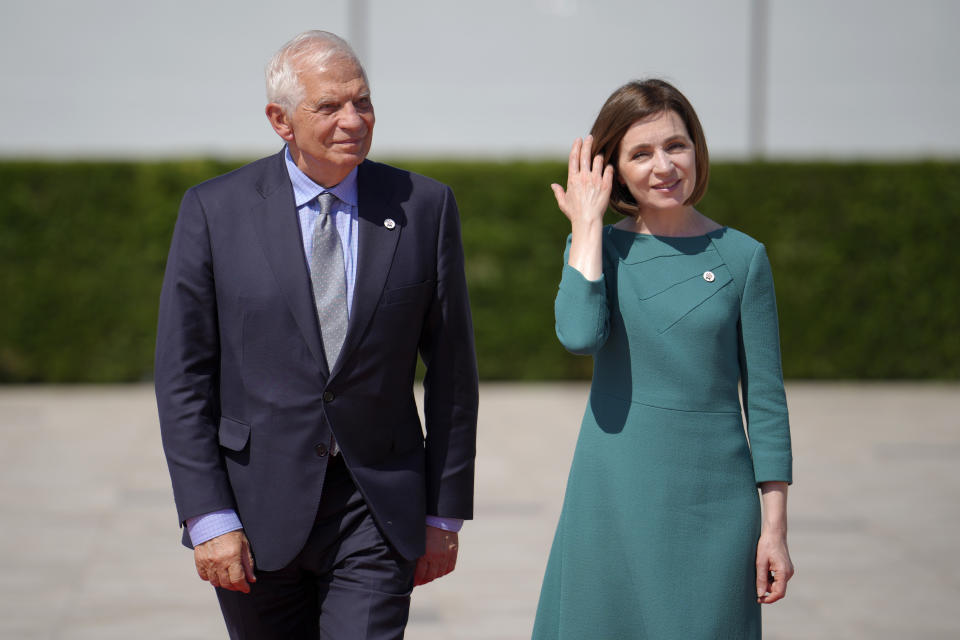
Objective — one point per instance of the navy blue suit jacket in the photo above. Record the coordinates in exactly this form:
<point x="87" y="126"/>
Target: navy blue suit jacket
<point x="243" y="389"/>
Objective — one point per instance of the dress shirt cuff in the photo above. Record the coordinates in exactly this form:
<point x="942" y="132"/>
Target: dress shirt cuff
<point x="211" y="525"/>
<point x="447" y="524"/>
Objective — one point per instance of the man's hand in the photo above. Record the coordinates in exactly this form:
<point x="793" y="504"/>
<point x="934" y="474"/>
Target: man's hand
<point x="440" y="558"/>
<point x="226" y="561"/>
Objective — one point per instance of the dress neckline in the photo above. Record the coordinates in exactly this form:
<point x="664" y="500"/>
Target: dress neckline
<point x="638" y="234"/>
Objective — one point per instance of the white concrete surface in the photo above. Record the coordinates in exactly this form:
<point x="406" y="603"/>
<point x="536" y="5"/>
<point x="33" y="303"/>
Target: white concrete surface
<point x="91" y="546"/>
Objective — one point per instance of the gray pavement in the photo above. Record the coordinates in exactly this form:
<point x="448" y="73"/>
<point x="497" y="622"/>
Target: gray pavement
<point x="91" y="547"/>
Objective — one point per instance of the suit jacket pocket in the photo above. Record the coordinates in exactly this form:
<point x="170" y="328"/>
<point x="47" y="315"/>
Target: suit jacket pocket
<point x="233" y="435"/>
<point x="413" y="293"/>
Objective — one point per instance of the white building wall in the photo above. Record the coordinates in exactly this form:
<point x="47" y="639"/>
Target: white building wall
<point x="501" y="78"/>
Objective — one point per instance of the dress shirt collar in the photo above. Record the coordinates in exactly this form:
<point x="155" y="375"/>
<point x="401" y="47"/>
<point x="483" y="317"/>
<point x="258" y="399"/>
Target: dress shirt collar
<point x="305" y="189"/>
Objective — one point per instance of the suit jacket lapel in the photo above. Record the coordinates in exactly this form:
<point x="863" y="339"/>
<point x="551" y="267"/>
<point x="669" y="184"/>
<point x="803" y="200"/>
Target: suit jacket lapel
<point x="277" y="226"/>
<point x="377" y="244"/>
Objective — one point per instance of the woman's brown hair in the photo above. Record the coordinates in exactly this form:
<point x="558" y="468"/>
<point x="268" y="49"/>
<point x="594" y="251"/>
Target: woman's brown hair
<point x="635" y="101"/>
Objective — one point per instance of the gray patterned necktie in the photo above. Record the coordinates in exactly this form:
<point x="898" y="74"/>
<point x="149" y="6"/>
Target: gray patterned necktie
<point x="329" y="281"/>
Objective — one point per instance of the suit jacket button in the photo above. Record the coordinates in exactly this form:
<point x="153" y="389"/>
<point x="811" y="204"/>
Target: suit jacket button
<point x="328" y="396"/>
<point x="321" y="450"/>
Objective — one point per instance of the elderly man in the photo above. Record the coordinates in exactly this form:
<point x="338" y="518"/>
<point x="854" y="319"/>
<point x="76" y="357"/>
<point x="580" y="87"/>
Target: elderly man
<point x="298" y="293"/>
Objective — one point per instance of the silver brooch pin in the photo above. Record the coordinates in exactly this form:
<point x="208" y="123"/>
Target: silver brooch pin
<point x="708" y="276"/>
<point x="389" y="223"/>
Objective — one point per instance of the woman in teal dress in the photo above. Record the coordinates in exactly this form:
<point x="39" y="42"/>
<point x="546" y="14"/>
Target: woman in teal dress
<point x="662" y="534"/>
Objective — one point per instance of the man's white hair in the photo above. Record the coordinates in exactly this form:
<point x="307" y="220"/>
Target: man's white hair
<point x="313" y="50"/>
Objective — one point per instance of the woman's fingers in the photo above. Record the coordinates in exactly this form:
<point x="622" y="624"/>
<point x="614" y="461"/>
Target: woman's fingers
<point x="778" y="589"/>
<point x="573" y="165"/>
<point x="782" y="570"/>
<point x="774" y="570"/>
<point x="607" y="178"/>
<point x="763" y="579"/>
<point x="559" y="194"/>
<point x="586" y="157"/>
<point x="589" y="183"/>
<point x="582" y="160"/>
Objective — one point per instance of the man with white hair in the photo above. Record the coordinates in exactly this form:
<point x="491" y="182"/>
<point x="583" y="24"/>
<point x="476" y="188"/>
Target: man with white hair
<point x="299" y="291"/>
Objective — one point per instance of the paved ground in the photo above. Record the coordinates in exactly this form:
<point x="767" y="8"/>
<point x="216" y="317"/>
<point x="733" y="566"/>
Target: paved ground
<point x="90" y="543"/>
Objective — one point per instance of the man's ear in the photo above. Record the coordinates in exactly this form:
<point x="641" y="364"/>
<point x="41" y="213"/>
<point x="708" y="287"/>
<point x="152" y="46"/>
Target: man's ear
<point x="279" y="121"/>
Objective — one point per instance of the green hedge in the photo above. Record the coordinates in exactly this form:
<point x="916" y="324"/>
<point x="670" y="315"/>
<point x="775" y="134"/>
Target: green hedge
<point x="862" y="256"/>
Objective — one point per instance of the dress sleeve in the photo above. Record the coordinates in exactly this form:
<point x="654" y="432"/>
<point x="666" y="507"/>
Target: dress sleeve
<point x="582" y="315"/>
<point x="761" y="375"/>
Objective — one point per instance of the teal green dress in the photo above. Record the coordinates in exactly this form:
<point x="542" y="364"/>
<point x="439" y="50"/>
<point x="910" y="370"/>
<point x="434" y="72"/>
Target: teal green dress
<point x="658" y="532"/>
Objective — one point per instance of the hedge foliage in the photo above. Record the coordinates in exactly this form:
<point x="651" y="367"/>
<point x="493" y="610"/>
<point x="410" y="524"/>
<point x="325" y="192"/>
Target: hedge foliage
<point x="862" y="256"/>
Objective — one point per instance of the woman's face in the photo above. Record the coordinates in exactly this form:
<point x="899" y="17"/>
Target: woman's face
<point x="657" y="162"/>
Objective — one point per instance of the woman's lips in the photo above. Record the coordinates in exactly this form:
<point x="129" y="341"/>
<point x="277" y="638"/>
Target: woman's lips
<point x="667" y="186"/>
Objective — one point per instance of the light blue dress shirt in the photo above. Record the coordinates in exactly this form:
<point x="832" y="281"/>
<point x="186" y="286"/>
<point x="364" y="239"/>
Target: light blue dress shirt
<point x="345" y="217"/>
<point x="343" y="210"/>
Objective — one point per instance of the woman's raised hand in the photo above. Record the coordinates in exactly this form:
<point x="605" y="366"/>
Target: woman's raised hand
<point x="584" y="202"/>
<point x="588" y="185"/>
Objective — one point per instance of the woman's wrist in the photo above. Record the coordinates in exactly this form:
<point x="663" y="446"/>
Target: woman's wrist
<point x="586" y="225"/>
<point x="774" y="501"/>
